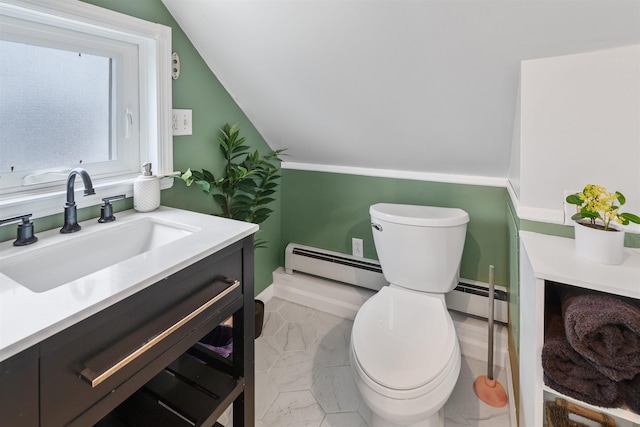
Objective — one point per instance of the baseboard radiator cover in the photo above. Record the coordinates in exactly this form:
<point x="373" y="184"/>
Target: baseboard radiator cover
<point x="469" y="297"/>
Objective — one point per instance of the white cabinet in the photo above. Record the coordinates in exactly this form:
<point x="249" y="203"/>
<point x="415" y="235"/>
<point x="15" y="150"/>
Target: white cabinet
<point x="549" y="258"/>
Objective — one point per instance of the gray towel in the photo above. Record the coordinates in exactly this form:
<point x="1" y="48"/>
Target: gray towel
<point x="632" y="391"/>
<point x="569" y="373"/>
<point x="605" y="330"/>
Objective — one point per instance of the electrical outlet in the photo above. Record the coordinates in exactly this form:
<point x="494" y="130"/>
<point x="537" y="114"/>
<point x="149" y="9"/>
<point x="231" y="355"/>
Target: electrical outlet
<point x="181" y="122"/>
<point x="356" y="247"/>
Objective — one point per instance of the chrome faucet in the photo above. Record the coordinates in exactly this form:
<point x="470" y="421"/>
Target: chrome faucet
<point x="70" y="210"/>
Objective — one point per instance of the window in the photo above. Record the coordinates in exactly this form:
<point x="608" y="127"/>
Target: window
<point x="55" y="109"/>
<point x="79" y="86"/>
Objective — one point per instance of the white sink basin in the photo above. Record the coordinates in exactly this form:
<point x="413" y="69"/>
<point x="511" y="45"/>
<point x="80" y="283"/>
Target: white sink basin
<point x="65" y="278"/>
<point x="78" y="256"/>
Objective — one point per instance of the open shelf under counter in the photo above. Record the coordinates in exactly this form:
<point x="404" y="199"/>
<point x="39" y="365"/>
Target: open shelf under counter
<point x="620" y="414"/>
<point x="545" y="259"/>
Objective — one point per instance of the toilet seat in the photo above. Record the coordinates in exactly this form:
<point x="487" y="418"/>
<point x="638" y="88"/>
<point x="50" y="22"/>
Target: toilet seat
<point x="404" y="341"/>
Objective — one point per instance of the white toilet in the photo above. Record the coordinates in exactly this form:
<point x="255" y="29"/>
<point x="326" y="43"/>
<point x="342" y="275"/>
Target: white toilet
<point x="404" y="354"/>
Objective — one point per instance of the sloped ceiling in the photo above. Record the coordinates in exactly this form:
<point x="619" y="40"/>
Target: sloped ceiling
<point x="427" y="86"/>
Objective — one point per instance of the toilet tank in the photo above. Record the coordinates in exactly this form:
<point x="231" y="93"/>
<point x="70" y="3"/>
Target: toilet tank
<point x="419" y="247"/>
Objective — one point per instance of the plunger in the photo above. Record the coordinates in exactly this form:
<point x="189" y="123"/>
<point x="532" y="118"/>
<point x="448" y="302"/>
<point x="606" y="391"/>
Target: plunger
<point x="486" y="387"/>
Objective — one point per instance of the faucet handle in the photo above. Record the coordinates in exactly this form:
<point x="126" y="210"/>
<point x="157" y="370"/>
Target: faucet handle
<point x="25" y="234"/>
<point x="106" y="211"/>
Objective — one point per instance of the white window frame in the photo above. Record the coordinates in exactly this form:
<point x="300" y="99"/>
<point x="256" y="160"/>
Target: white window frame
<point x="126" y="139"/>
<point x="151" y="117"/>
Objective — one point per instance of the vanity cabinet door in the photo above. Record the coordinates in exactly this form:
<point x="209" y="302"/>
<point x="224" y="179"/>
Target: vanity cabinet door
<point x="172" y="315"/>
<point x="19" y="389"/>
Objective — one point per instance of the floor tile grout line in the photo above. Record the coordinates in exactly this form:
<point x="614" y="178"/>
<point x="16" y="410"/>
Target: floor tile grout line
<point x="319" y="337"/>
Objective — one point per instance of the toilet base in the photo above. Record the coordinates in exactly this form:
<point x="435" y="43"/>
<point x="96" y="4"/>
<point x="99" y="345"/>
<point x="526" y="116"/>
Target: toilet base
<point x="426" y="410"/>
<point x="436" y="420"/>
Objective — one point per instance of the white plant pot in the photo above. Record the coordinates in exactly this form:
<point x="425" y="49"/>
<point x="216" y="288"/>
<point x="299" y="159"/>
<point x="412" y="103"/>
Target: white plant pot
<point x="604" y="247"/>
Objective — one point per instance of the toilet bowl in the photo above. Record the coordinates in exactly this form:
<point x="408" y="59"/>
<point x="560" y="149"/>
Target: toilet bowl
<point x="404" y="352"/>
<point x="405" y="356"/>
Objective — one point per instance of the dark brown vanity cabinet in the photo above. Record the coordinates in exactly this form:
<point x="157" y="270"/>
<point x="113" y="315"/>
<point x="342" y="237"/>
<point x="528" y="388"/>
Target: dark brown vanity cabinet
<point x="19" y="389"/>
<point x="136" y="361"/>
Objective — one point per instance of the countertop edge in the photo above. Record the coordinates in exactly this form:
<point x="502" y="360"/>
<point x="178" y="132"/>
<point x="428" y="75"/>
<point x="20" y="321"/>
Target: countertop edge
<point x="554" y="258"/>
<point x="32" y="338"/>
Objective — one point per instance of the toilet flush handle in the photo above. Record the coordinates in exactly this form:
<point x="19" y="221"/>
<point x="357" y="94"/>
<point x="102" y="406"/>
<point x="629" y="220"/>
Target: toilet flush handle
<point x="376" y="226"/>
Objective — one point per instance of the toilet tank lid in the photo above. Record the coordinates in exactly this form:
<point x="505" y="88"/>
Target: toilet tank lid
<point x="424" y="216"/>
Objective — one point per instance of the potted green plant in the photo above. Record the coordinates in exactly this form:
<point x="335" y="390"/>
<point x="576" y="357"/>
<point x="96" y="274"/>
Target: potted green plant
<point x="597" y="219"/>
<point x="244" y="189"/>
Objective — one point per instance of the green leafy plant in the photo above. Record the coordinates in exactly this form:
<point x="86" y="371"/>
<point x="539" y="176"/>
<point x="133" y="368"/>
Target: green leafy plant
<point x="244" y="189"/>
<point x="595" y="203"/>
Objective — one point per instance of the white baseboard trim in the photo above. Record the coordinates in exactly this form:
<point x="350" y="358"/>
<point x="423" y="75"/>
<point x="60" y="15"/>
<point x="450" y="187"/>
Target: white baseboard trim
<point x="513" y="421"/>
<point x="321" y="294"/>
<point x="473" y="337"/>
<point x="345" y="300"/>
<point x="266" y="294"/>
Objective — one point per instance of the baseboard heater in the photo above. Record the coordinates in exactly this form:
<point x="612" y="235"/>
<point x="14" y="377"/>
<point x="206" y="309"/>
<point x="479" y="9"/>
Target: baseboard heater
<point x="468" y="297"/>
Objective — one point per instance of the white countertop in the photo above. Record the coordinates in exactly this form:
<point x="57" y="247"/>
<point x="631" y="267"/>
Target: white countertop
<point x="554" y="258"/>
<point x="28" y="317"/>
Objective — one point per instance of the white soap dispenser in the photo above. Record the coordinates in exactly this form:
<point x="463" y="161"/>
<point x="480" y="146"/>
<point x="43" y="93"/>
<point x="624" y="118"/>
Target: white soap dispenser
<point x="146" y="190"/>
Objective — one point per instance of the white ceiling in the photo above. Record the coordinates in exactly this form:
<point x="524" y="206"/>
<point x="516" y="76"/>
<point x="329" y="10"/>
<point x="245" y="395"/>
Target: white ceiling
<point x="411" y="85"/>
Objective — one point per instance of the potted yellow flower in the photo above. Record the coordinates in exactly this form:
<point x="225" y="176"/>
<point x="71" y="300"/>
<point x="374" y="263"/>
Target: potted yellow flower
<point x="598" y="236"/>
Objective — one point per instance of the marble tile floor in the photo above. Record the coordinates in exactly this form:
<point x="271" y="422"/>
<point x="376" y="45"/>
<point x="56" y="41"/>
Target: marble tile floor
<point x="303" y="376"/>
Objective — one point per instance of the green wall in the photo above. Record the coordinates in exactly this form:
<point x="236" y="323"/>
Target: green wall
<point x="314" y="208"/>
<point x="631" y="240"/>
<point x="197" y="89"/>
<point x="513" y="226"/>
<point x="326" y="210"/>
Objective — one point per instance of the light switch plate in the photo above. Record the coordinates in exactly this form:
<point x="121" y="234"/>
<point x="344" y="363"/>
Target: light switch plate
<point x="181" y="122"/>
